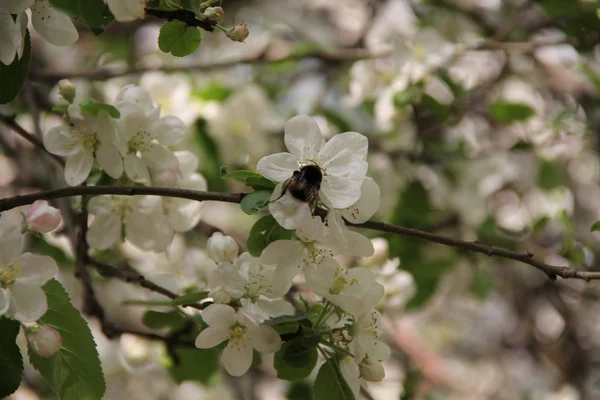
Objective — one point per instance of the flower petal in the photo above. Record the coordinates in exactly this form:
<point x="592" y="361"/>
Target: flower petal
<point x="135" y="169"/>
<point x="4" y="301"/>
<point x="124" y="10"/>
<point x="282" y="251"/>
<point x="289" y="212"/>
<point x="303" y="137"/>
<point x="16" y="6"/>
<point x="78" y="167"/>
<point x="219" y="315"/>
<point x="52" y="25"/>
<point x="168" y="130"/>
<point x="11" y="240"/>
<point x="101" y="205"/>
<point x="237" y="357"/>
<point x="105" y="231"/>
<point x="343" y="152"/>
<point x="36" y="270"/>
<point x="159" y="157"/>
<point x="367" y="205"/>
<point x="10" y="38"/>
<point x="105" y="127"/>
<point x="277" y="167"/>
<point x="59" y="141"/>
<point x="27" y="302"/>
<point x="340" y="192"/>
<point x="110" y="159"/>
<point x="211" y="337"/>
<point x="265" y="339"/>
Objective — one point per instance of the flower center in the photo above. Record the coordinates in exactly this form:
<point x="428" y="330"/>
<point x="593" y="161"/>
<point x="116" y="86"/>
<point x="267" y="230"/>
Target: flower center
<point x="86" y="139"/>
<point x="10" y="273"/>
<point x="237" y="332"/>
<point x="419" y="52"/>
<point x="122" y="206"/>
<point x="141" y="141"/>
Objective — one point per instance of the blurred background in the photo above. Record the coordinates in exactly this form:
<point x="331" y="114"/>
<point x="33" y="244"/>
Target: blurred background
<point x="483" y="122"/>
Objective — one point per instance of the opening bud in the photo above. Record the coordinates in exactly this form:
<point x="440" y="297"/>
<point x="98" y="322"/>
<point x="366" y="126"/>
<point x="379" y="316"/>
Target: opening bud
<point x="66" y="90"/>
<point x="214" y="14"/>
<point x="41" y="217"/>
<point x="43" y="339"/>
<point x="237" y="34"/>
<point x="222" y="248"/>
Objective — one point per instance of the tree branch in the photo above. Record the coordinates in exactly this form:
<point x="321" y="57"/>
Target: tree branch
<point x="10" y="121"/>
<point x="186" y="16"/>
<point x="552" y="271"/>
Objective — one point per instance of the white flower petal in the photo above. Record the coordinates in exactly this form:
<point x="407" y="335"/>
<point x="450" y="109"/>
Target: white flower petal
<point x="343" y="152"/>
<point x="136" y="95"/>
<point x="275" y="308"/>
<point x="188" y="162"/>
<point x="27" y="302"/>
<point x="101" y="205"/>
<point x="322" y="278"/>
<point x="219" y="315"/>
<point x="52" y="25"/>
<point x="36" y="270"/>
<point x="127" y="10"/>
<point x="148" y="230"/>
<point x="105" y="231"/>
<point x="110" y="159"/>
<point x="237" y="357"/>
<point x="367" y="205"/>
<point x="340" y="192"/>
<point x="78" y="167"/>
<point x="168" y="130"/>
<point x="277" y="167"/>
<point x="211" y="337"/>
<point x="303" y="137"/>
<point x="135" y="169"/>
<point x="10" y="38"/>
<point x="11" y="245"/>
<point x="185" y="216"/>
<point x="4" y="301"/>
<point x="265" y="339"/>
<point x="351" y="375"/>
<point x="159" y="157"/>
<point x="105" y="127"/>
<point x="282" y="251"/>
<point x="59" y="140"/>
<point x="16" y="6"/>
<point x="289" y="212"/>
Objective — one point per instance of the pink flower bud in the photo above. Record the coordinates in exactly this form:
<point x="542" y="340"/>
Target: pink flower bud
<point x="44" y="340"/>
<point x="214" y="14"/>
<point x="237" y="34"/>
<point x="41" y="217"/>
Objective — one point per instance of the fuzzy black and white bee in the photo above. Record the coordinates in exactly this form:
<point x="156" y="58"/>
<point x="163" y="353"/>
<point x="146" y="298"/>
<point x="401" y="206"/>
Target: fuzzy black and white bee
<point x="304" y="185"/>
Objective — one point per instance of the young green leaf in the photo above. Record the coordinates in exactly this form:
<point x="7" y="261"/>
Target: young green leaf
<point x="195" y="364"/>
<point x="296" y="359"/>
<point x="11" y="362"/>
<point x="249" y="178"/>
<point x="596" y="226"/>
<point x="158" y="320"/>
<point x="255" y="201"/>
<point x="263" y="232"/>
<point x="190" y="298"/>
<point x="93" y="107"/>
<point x="12" y="77"/>
<point x="179" y="39"/>
<point x="330" y="384"/>
<point x="507" y="112"/>
<point x="93" y="13"/>
<point x="74" y="372"/>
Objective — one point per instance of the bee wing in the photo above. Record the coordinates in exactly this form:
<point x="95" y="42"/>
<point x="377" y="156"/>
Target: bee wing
<point x="285" y="187"/>
<point x="313" y="199"/>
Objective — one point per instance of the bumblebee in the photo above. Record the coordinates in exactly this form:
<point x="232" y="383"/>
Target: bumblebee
<point x="304" y="185"/>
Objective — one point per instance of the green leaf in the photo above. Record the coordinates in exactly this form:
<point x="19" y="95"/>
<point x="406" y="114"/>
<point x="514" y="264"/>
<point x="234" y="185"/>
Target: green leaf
<point x="93" y="107"/>
<point x="482" y="284"/>
<point x="60" y="108"/>
<point x="263" y="232"/>
<point x="159" y="320"/>
<point x="550" y="176"/>
<point x="287" y="318"/>
<point x="249" y="178"/>
<point x="596" y="226"/>
<point x="330" y="384"/>
<point x="439" y="111"/>
<point x="299" y="391"/>
<point x="427" y="275"/>
<point x="11" y="362"/>
<point x="560" y="8"/>
<point x="74" y="372"/>
<point x="296" y="359"/>
<point x="190" y="298"/>
<point x="179" y="39"/>
<point x="191" y="364"/>
<point x="93" y="13"/>
<point x="507" y="112"/>
<point x="407" y="96"/>
<point x="213" y="92"/>
<point x="255" y="201"/>
<point x="12" y="77"/>
<point x="209" y="154"/>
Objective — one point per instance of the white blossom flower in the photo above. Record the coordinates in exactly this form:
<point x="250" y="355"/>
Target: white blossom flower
<point x="222" y="248"/>
<point x="366" y="338"/>
<point x="90" y="137"/>
<point x="342" y="161"/>
<point x="144" y="137"/>
<point x="315" y="245"/>
<point x="52" y="25"/>
<point x="21" y="275"/>
<point x="12" y="32"/>
<point x="354" y="291"/>
<point x="224" y="323"/>
<point x="41" y="217"/>
<point x="127" y="10"/>
<point x="146" y="226"/>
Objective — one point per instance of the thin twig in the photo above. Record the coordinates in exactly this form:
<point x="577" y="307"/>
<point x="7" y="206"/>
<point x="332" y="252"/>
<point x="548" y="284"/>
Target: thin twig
<point x="552" y="271"/>
<point x="10" y="121"/>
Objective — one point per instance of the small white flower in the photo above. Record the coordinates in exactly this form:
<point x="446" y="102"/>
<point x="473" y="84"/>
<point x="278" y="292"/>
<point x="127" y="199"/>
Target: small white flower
<point x="354" y="291"/>
<point x="44" y="340"/>
<point x="41" y="217"/>
<point x="89" y="138"/>
<point x="366" y="338"/>
<point x="224" y="323"/>
<point x="341" y="160"/>
<point x="222" y="248"/>
<point x="127" y="10"/>
<point x="144" y="137"/>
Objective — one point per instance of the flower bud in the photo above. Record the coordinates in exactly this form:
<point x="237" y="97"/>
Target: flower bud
<point x="42" y="217"/>
<point x="214" y="14"/>
<point x="372" y="371"/>
<point x="222" y="248"/>
<point x="237" y="34"/>
<point x="66" y="90"/>
<point x="44" y="340"/>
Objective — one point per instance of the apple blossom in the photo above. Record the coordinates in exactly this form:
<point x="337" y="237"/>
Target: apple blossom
<point x="224" y="323"/>
<point x="42" y="217"/>
<point x="222" y="248"/>
<point x="89" y="138"/>
<point x="52" y="25"/>
<point x="341" y="160"/>
<point x="366" y="338"/>
<point x="43" y="339"/>
<point x="12" y="31"/>
<point x="127" y="10"/>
